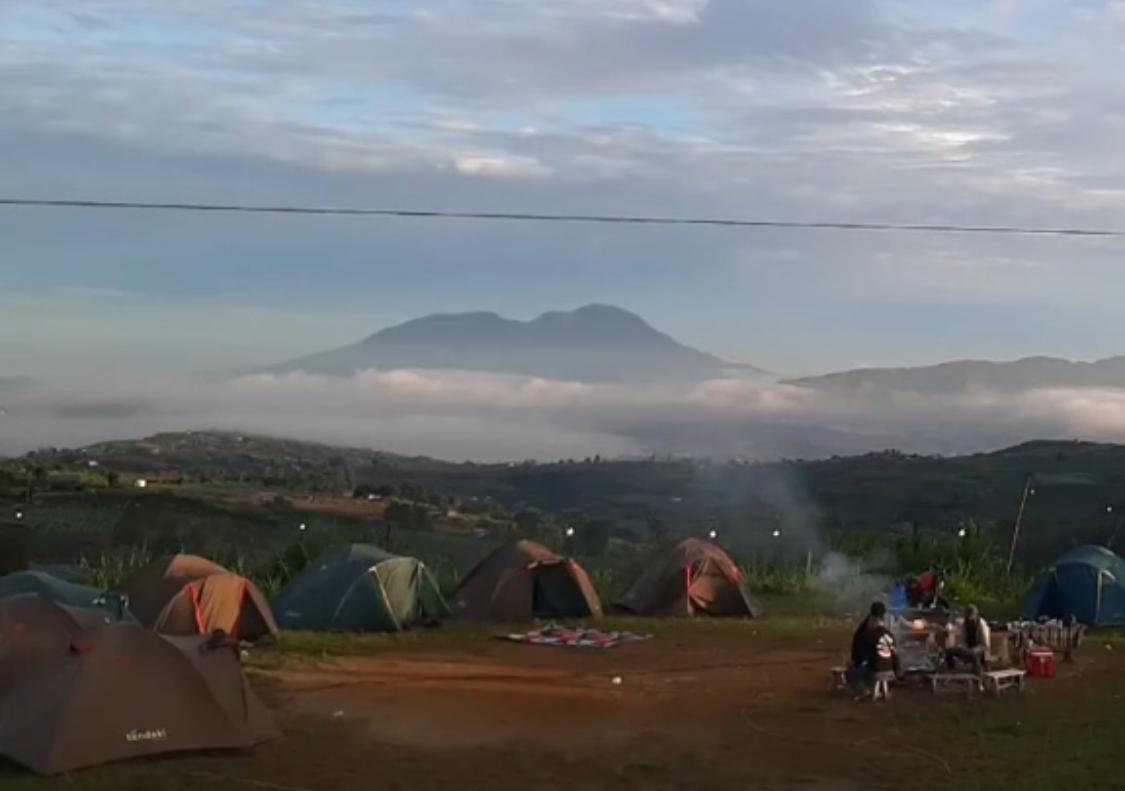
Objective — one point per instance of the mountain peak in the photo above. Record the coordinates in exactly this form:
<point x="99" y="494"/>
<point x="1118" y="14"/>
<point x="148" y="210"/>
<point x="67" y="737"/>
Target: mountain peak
<point x="595" y="342"/>
<point x="595" y="311"/>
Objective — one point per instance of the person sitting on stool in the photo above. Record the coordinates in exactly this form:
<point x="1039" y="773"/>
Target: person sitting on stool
<point x="972" y="647"/>
<point x="873" y="648"/>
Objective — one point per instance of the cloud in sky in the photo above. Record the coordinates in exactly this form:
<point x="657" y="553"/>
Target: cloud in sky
<point x="889" y="110"/>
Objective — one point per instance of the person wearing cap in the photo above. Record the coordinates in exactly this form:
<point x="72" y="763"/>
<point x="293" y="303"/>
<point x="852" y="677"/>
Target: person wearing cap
<point x="973" y="640"/>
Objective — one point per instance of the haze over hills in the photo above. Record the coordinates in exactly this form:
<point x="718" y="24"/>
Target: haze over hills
<point x="595" y="343"/>
<point x="966" y="375"/>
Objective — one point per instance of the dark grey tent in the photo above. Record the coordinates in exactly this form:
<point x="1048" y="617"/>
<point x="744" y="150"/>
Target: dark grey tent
<point x="120" y="692"/>
<point x="360" y="588"/>
<point x="525" y="580"/>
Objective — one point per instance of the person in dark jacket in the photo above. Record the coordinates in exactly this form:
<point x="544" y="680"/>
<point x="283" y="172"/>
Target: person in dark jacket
<point x="873" y="647"/>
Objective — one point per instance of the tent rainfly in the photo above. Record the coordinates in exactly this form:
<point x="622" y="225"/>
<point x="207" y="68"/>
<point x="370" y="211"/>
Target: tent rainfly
<point x="694" y="578"/>
<point x="525" y="580"/>
<point x="360" y="588"/>
<point x="186" y="594"/>
<point x="1086" y="582"/>
<point x="42" y="584"/>
<point x="34" y="632"/>
<point x="121" y="692"/>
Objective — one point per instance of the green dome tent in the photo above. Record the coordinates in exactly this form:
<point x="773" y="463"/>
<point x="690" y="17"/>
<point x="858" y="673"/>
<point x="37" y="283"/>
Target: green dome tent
<point x="1086" y="582"/>
<point x="360" y="588"/>
<point x="40" y="583"/>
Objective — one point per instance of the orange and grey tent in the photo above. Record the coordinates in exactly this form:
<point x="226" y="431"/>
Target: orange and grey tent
<point x="526" y="580"/>
<point x="186" y="594"/>
<point x="694" y="578"/>
<point x="121" y="692"/>
<point x="34" y="631"/>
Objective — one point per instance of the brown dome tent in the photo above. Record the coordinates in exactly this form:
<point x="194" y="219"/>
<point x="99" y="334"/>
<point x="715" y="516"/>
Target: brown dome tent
<point x="694" y="578"/>
<point x="186" y="594"/>
<point x="121" y="692"/>
<point x="35" y="631"/>
<point x="526" y="580"/>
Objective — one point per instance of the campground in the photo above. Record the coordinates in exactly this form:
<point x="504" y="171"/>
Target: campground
<point x="708" y="703"/>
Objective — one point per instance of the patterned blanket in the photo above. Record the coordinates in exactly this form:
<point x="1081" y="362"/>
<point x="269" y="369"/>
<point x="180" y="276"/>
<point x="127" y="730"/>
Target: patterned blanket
<point x="575" y="638"/>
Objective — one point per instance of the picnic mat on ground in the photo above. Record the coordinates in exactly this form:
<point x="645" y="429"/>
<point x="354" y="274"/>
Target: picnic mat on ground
<point x="574" y="638"/>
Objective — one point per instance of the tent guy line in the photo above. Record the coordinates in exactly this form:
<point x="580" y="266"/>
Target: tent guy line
<point x="820" y="225"/>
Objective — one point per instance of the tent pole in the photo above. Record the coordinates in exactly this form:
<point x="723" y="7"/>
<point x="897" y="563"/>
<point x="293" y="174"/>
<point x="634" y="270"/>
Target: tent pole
<point x="1019" y="519"/>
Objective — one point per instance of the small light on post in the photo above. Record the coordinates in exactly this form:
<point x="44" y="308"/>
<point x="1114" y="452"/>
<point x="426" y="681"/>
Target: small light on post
<point x="777" y="534"/>
<point x="962" y="533"/>
<point x="570" y="532"/>
<point x="302" y="527"/>
<point x="713" y="534"/>
<point x="19" y="515"/>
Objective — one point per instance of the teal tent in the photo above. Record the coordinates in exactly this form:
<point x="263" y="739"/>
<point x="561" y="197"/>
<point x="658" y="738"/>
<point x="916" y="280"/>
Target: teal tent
<point x="40" y="583"/>
<point x="360" y="588"/>
<point x="1087" y="582"/>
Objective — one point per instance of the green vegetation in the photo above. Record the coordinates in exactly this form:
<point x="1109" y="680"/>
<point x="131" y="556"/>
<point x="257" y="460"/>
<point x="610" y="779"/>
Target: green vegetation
<point x="241" y="500"/>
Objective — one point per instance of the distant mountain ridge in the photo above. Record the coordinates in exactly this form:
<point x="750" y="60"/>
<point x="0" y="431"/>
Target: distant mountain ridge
<point x="595" y="343"/>
<point x="965" y="375"/>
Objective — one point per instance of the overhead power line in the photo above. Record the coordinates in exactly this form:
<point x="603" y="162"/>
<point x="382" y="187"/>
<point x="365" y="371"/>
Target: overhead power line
<point x="1011" y="230"/>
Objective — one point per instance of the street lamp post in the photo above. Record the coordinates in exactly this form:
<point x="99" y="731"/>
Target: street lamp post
<point x="1027" y="492"/>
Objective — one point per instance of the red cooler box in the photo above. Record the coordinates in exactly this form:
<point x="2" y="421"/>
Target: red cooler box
<point x="1040" y="662"/>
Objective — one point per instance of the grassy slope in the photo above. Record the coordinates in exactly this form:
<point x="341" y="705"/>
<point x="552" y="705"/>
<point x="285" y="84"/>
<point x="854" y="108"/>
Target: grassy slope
<point x="1077" y="481"/>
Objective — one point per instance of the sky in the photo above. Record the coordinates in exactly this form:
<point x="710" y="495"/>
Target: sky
<point x="1009" y="111"/>
<point x="912" y="111"/>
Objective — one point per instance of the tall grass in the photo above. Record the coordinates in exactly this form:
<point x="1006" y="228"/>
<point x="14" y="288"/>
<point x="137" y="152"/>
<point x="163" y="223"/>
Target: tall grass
<point x="110" y="570"/>
<point x="773" y="576"/>
<point x="976" y="568"/>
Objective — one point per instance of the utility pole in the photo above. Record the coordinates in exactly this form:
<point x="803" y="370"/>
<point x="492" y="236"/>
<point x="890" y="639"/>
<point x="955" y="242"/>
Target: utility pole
<point x="1019" y="518"/>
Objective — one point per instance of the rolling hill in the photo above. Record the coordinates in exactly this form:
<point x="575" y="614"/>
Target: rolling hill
<point x="809" y="502"/>
<point x="965" y="375"/>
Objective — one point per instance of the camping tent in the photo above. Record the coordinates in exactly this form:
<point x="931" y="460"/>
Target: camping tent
<point x="360" y="588"/>
<point x="185" y="595"/>
<point x="526" y="580"/>
<point x="1086" y="582"/>
<point x="694" y="578"/>
<point x="35" y="630"/>
<point x="40" y="583"/>
<point x="121" y="692"/>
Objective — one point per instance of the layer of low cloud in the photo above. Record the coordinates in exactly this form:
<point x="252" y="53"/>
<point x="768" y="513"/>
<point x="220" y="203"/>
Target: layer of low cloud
<point x="461" y="415"/>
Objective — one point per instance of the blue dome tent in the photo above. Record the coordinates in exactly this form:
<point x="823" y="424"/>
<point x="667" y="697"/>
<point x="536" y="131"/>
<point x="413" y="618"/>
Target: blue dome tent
<point x="1086" y="582"/>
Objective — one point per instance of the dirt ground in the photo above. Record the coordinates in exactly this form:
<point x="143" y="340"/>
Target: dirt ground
<point x="699" y="706"/>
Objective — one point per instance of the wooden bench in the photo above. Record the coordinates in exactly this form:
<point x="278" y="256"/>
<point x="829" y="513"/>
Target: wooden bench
<point x="941" y="682"/>
<point x="998" y="680"/>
